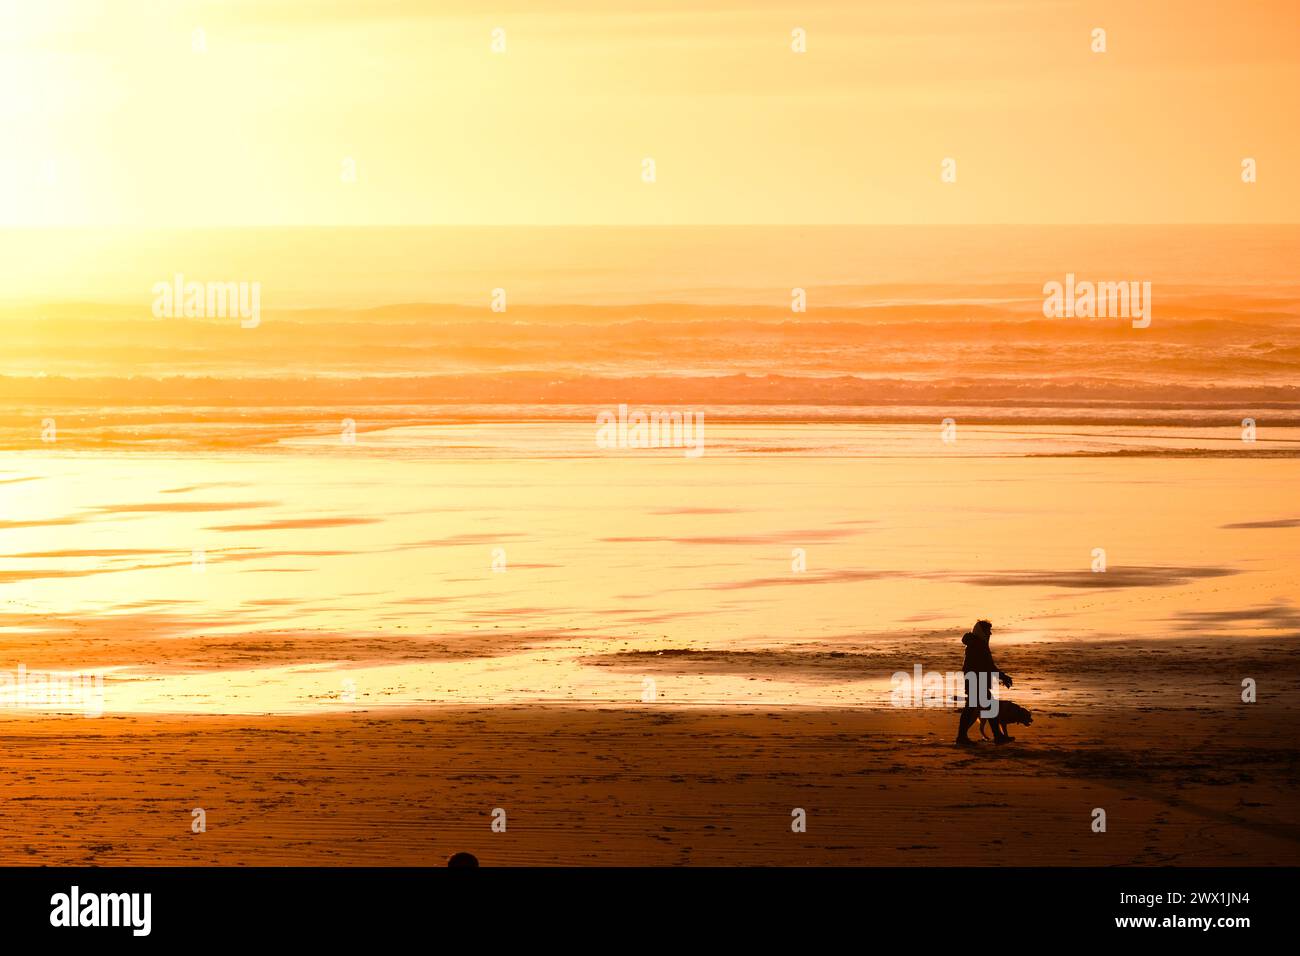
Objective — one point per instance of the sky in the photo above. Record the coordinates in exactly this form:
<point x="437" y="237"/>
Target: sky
<point x="127" y="113"/>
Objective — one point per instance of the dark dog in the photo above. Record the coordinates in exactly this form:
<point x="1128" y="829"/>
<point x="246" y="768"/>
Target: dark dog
<point x="1008" y="713"/>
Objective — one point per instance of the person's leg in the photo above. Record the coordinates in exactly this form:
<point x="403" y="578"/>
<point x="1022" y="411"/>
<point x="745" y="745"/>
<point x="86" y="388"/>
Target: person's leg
<point x="968" y="715"/>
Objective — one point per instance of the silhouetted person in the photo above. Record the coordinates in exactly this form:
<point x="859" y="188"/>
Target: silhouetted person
<point x="979" y="661"/>
<point x="462" y="859"/>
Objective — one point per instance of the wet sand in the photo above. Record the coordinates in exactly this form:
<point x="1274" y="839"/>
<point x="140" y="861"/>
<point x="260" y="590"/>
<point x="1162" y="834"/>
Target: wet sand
<point x="653" y="785"/>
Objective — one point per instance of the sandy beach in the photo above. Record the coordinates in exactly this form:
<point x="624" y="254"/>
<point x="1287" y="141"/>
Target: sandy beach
<point x="674" y="657"/>
<point x="653" y="785"/>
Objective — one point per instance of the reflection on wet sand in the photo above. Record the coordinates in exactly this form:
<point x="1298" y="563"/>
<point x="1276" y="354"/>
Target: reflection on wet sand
<point x="425" y="578"/>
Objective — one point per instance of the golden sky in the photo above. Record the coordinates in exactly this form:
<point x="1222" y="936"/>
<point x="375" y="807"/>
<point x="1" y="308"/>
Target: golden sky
<point x="111" y="117"/>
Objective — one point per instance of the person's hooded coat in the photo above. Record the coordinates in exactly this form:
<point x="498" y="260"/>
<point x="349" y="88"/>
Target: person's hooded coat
<point x="978" y="656"/>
